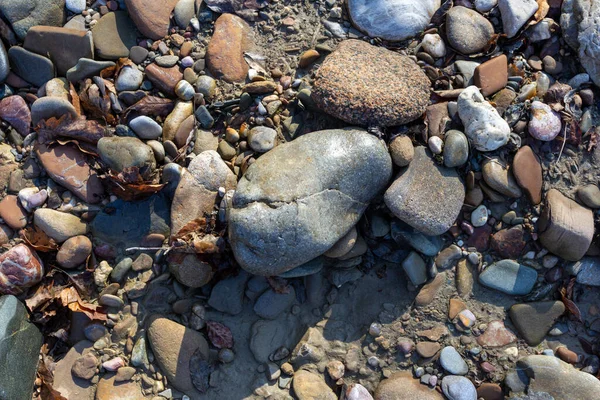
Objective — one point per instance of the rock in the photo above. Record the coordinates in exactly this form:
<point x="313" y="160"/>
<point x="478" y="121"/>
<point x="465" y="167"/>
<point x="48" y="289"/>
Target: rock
<point x="124" y="374"/>
<point x="509" y="243"/>
<point x="515" y="13"/>
<point x="527" y="170"/>
<point x="13" y="214"/>
<point x="545" y="123"/>
<point x="271" y="304"/>
<point x="260" y="87"/>
<point x="452" y="362"/>
<point x="60" y="226"/>
<point x="20" y="343"/>
<point x="63" y="46"/>
<point x="228" y="294"/>
<point x="184" y="11"/>
<point x="114" y="35"/>
<point x="589" y="195"/>
<point x="409" y="197"/>
<point x="86" y="68"/>
<point x="490" y="391"/>
<point x="458" y="388"/>
<point x="468" y="31"/>
<point x="456" y="149"/>
<point x="182" y="111"/>
<point x="165" y="79"/>
<point x="434" y="45"/>
<point x="68" y="166"/>
<point x="14" y="110"/>
<point x="428" y="245"/>
<point x="309" y="217"/>
<point x="500" y="178"/>
<point x="589" y="272"/>
<point x="189" y="270"/>
<point x="151" y="17"/>
<point x="448" y="257"/>
<point x="402" y="150"/>
<point x="75" y="6"/>
<point x="392" y="20"/>
<point x="145" y="127"/>
<point x="66" y="383"/>
<point x="578" y="22"/>
<point x="545" y="374"/>
<point x="430" y="290"/>
<point x="309" y="386"/>
<point x="33" y="68"/>
<point x="465" y="278"/>
<point x="109" y="389"/>
<point x="4" y="65"/>
<point x="483" y="125"/>
<point x="308" y="57"/>
<point x="509" y="277"/>
<point x="225" y="53"/>
<point x="207" y="86"/>
<point x="174" y="345"/>
<point x="185" y="91"/>
<point x="415" y="269"/>
<point x="534" y="320"/>
<point x="262" y="138"/>
<point x="343" y="246"/>
<point x="47" y="107"/>
<point x="24" y="15"/>
<point x="85" y="367"/>
<point x="402" y="386"/>
<point x="479" y="216"/>
<point x="565" y="227"/>
<point x="352" y="86"/>
<point x="268" y="336"/>
<point x="128" y="223"/>
<point x="74" y="252"/>
<point x="130" y="78"/>
<point x="20" y="269"/>
<point x="138" y="54"/>
<point x="126" y="152"/>
<point x="492" y="75"/>
<point x="197" y="191"/>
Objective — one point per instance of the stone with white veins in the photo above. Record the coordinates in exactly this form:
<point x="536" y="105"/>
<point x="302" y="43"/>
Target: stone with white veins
<point x="515" y="14"/>
<point x="486" y="129"/>
<point x="283" y="216"/>
<point x="392" y="19"/>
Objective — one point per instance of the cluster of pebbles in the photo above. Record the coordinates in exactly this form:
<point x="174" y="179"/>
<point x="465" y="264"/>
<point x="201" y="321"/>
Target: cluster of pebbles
<point x="355" y="200"/>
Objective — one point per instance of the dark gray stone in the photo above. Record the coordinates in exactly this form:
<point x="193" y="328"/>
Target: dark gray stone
<point x="268" y="336"/>
<point x="296" y="201"/>
<point x="22" y="15"/>
<point x="228" y="295"/>
<point x="271" y="304"/>
<point x="509" y="277"/>
<point x="426" y="196"/>
<point x="20" y="343"/>
<point x="534" y="320"/>
<point x="125" y="152"/>
<point x="86" y="68"/>
<point x="405" y="234"/>
<point x="589" y="271"/>
<point x="468" y="31"/>
<point x="32" y="67"/>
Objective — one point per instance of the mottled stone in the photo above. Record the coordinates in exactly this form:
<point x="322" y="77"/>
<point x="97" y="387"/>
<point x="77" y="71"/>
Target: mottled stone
<point x="534" y="320"/>
<point x="114" y="35"/>
<point x="151" y="17"/>
<point x="225" y="52"/>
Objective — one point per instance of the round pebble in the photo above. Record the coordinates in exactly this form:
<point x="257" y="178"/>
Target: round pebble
<point x="434" y="45"/>
<point x="545" y="123"/>
<point x="184" y="90"/>
<point x="436" y="144"/>
<point x="145" y="127"/>
<point x="402" y="150"/>
<point x="479" y="216"/>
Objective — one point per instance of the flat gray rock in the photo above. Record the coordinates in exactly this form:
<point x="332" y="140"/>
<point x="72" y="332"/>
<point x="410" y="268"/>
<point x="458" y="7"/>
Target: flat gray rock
<point x="86" y="68"/>
<point x="228" y="295"/>
<point x="534" y="320"/>
<point x="22" y="15"/>
<point x="20" y="343"/>
<point x="125" y="152"/>
<point x="425" y="195"/>
<point x="32" y="67"/>
<point x="271" y="304"/>
<point x="453" y="362"/>
<point x="589" y="272"/>
<point x="509" y="277"/>
<point x="392" y="19"/>
<point x="48" y="107"/>
<point x="405" y="234"/>
<point x="296" y="201"/>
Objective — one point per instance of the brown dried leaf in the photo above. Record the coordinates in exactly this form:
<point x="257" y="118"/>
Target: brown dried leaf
<point x="42" y="295"/>
<point x="75" y="98"/>
<point x="542" y="11"/>
<point x="151" y="106"/>
<point x="79" y="129"/>
<point x="47" y="378"/>
<point x="129" y="185"/>
<point x="570" y="305"/>
<point x="196" y="225"/>
<point x="113" y="72"/>
<point x="219" y="335"/>
<point x="69" y="297"/>
<point x="95" y="104"/>
<point x="38" y="239"/>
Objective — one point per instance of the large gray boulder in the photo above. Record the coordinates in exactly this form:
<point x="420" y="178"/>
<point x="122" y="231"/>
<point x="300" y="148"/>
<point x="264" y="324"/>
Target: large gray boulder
<point x="547" y="374"/>
<point x="22" y="15"/>
<point x="392" y="19"/>
<point x="20" y="343"/>
<point x="581" y="30"/>
<point x="296" y="201"/>
<point x="425" y="195"/>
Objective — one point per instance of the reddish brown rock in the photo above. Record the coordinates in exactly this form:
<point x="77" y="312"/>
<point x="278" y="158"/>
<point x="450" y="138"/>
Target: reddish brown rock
<point x="428" y="349"/>
<point x="74" y="251"/>
<point x="225" y="53"/>
<point x="308" y="57"/>
<point x="109" y="389"/>
<point x="480" y="239"/>
<point x="68" y="167"/>
<point x="430" y="290"/>
<point x="164" y="79"/>
<point x="151" y="17"/>
<point x="183" y="132"/>
<point x="260" y="87"/>
<point x="402" y="386"/>
<point x="12" y="212"/>
<point x="14" y="110"/>
<point x="565" y="228"/>
<point x="492" y="75"/>
<point x="527" y="170"/>
<point x="63" y="46"/>
<point x="496" y="335"/>
<point x="490" y="391"/>
<point x="567" y="355"/>
<point x="509" y="243"/>
<point x="455" y="306"/>
<point x="20" y="268"/>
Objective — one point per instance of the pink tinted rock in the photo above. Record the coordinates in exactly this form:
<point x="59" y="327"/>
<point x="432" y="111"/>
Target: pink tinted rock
<point x="496" y="335"/>
<point x="14" y="110"/>
<point x="20" y="268"/>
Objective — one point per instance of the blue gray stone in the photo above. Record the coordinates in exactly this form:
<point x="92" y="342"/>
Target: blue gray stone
<point x="22" y="15"/>
<point x="228" y="294"/>
<point x="271" y="304"/>
<point x="86" y="68"/>
<point x="458" y="388"/>
<point x="32" y="67"/>
<point x="509" y="277"/>
<point x="405" y="234"/>
<point x="589" y="271"/>
<point x="4" y="65"/>
<point x="452" y="362"/>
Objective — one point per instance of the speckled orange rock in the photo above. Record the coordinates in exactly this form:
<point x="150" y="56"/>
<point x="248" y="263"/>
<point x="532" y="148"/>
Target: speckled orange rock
<point x="225" y="53"/>
<point x="367" y="85"/>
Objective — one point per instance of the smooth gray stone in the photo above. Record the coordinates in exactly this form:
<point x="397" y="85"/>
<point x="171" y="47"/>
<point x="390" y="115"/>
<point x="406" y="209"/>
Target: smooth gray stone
<point x="468" y="31"/>
<point x="405" y="234"/>
<point x="392" y="19"/>
<point x="589" y="271"/>
<point x="509" y="277"/>
<point x="86" y="68"/>
<point x="23" y="14"/>
<point x="415" y="269"/>
<point x="20" y="343"/>
<point x="4" y="65"/>
<point x="271" y="304"/>
<point x="184" y="11"/>
<point x="581" y="30"/>
<point x="47" y="107"/>
<point x="309" y="268"/>
<point x="228" y="295"/>
<point x="124" y="152"/>
<point x="426" y="196"/>
<point x="458" y="388"/>
<point x="456" y="149"/>
<point x="453" y="362"/>
<point x="296" y="201"/>
<point x="268" y="336"/>
<point x="32" y="67"/>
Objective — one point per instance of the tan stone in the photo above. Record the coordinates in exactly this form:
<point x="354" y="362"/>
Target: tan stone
<point x="402" y="386"/>
<point x="151" y="17"/>
<point x="492" y="75"/>
<point x="108" y="389"/>
<point x="225" y="53"/>
<point x="174" y="120"/>
<point x="430" y="290"/>
<point x="310" y="386"/>
<point x="12" y="212"/>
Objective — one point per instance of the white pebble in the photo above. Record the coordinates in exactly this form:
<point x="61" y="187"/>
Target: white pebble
<point x="75" y="6"/>
<point x="436" y="144"/>
<point x="545" y="123"/>
<point x="479" y="216"/>
<point x="434" y="45"/>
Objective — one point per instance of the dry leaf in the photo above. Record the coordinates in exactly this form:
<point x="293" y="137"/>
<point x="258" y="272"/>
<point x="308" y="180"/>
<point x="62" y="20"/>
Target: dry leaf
<point x="219" y="335"/>
<point x="151" y="106"/>
<point x="95" y="104"/>
<point x="542" y="11"/>
<point x="75" y="98"/>
<point x="570" y="305"/>
<point x="113" y="72"/>
<point x="79" y="129"/>
<point x="70" y="298"/>
<point x="38" y="239"/>
<point x="129" y="185"/>
<point x="47" y="391"/>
